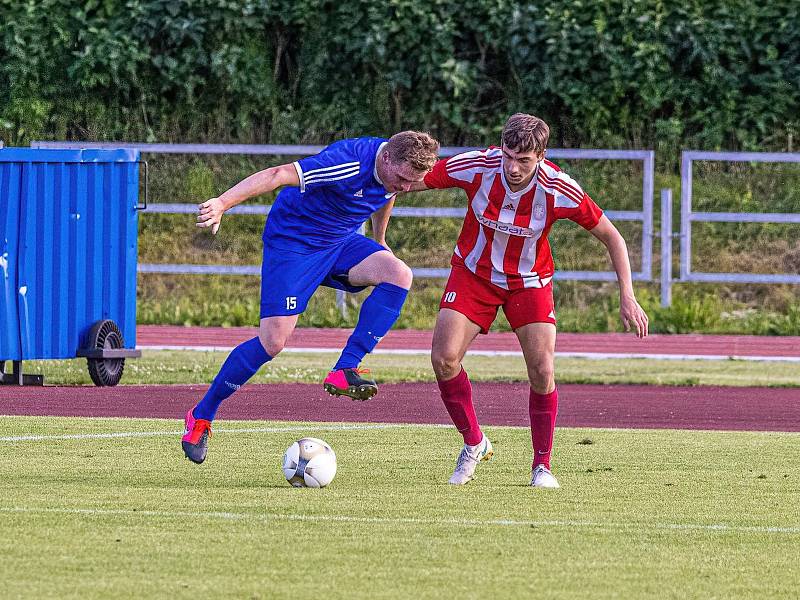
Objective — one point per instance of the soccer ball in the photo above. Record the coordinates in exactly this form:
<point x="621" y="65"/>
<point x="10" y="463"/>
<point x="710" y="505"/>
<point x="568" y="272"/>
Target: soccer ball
<point x="309" y="462"/>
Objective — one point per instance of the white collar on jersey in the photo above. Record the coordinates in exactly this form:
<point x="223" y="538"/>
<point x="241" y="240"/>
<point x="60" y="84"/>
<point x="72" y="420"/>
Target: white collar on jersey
<point x="526" y="189"/>
<point x="375" y="170"/>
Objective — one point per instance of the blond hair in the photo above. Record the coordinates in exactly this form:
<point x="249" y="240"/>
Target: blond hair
<point x="415" y="148"/>
<point x="525" y="133"/>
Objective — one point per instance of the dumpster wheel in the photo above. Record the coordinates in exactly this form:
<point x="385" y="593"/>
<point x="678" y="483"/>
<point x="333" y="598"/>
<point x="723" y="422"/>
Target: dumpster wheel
<point x="105" y="335"/>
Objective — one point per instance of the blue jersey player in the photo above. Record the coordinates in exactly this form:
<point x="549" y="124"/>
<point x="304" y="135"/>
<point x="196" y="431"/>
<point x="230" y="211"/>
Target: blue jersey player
<point x="311" y="238"/>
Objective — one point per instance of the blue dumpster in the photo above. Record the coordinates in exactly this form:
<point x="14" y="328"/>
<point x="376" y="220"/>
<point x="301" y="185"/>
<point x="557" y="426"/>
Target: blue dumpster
<point x="68" y="251"/>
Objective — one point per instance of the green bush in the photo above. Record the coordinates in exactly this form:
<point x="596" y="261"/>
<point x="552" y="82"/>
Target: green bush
<point x="718" y="74"/>
<point x="705" y="74"/>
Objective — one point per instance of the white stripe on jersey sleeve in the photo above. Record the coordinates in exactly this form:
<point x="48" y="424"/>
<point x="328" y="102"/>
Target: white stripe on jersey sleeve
<point x="311" y="172"/>
<point x="324" y="174"/>
<point x="562" y="201"/>
<point x="465" y="166"/>
<point x="299" y="170"/>
<point x="317" y="176"/>
<point x="454" y="161"/>
<point x="333" y="177"/>
<point x="567" y="193"/>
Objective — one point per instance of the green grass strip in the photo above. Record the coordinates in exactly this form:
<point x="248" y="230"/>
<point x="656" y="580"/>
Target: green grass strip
<point x="172" y="367"/>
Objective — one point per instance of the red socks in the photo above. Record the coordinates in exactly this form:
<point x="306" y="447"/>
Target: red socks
<point x="543" y="409"/>
<point x="457" y="398"/>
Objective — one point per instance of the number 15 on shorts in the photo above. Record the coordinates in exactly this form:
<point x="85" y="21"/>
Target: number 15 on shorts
<point x="291" y="302"/>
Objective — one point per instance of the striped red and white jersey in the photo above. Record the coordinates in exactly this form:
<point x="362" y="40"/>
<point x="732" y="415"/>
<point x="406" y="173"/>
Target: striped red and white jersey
<point x="504" y="236"/>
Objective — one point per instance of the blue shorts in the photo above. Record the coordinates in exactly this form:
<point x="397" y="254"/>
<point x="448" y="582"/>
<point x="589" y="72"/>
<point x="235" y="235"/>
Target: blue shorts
<point x="288" y="279"/>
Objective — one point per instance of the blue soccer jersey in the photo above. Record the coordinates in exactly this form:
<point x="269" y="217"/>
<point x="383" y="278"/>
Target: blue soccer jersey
<point x="339" y="190"/>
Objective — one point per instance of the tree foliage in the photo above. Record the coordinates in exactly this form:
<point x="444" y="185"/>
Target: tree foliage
<point x="628" y="73"/>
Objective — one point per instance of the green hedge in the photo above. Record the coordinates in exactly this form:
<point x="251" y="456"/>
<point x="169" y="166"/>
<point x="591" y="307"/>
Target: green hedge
<point x="703" y="73"/>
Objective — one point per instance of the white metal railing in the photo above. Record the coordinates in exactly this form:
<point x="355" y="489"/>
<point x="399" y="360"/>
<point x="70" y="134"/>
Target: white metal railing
<point x="688" y="217"/>
<point x="645" y="215"/>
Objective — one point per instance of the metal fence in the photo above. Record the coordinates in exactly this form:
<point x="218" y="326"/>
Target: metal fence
<point x="688" y="216"/>
<point x="645" y="215"/>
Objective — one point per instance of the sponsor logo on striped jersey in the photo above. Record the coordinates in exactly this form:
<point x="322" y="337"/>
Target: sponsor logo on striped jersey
<point x="508" y="228"/>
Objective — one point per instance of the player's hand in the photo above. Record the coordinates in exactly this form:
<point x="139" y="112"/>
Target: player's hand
<point x="210" y="214"/>
<point x="385" y="245"/>
<point x="633" y="315"/>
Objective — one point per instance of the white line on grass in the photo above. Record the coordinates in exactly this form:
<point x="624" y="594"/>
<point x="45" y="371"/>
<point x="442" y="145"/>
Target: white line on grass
<point x="231" y="516"/>
<point x="137" y="434"/>
<point x="312" y="427"/>
<point x="514" y="353"/>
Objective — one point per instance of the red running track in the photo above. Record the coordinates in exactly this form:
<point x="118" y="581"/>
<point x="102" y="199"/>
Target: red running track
<point x="652" y="407"/>
<point x="614" y="343"/>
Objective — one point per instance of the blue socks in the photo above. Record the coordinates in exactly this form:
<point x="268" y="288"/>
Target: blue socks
<point x="378" y="313"/>
<point x="242" y="363"/>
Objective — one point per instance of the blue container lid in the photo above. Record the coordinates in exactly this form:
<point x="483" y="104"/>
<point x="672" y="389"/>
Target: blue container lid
<point x="88" y="155"/>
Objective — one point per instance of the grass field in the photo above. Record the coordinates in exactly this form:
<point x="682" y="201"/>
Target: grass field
<point x="658" y="514"/>
<point x="167" y="367"/>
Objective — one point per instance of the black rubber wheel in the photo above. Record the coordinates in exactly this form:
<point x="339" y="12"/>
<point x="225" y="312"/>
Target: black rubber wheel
<point x="105" y="371"/>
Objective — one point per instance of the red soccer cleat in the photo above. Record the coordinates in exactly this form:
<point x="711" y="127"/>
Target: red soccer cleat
<point x="348" y="382"/>
<point x="195" y="438"/>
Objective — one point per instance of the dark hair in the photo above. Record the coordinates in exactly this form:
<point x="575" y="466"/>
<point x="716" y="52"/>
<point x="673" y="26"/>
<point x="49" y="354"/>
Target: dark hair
<point x="524" y="133"/>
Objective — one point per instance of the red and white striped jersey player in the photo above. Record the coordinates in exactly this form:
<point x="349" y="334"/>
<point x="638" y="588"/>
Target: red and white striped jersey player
<point x="503" y="258"/>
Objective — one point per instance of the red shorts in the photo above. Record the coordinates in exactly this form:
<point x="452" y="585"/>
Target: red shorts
<point x="478" y="300"/>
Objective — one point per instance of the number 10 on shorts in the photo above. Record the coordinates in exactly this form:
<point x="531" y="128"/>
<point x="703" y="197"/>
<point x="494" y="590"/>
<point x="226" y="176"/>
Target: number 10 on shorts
<point x="291" y="302"/>
<point x="450" y="297"/>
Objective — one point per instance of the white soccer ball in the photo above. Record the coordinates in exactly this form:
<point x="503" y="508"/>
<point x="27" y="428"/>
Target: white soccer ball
<point x="309" y="462"/>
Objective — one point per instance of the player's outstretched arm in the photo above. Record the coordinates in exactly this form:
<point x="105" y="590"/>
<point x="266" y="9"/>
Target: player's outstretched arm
<point x="629" y="310"/>
<point x="418" y="186"/>
<point x="210" y="212"/>
<point x="437" y="178"/>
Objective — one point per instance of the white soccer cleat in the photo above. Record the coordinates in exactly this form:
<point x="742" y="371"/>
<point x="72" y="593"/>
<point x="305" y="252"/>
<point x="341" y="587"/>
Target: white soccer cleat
<point x="468" y="459"/>
<point x="541" y="477"/>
